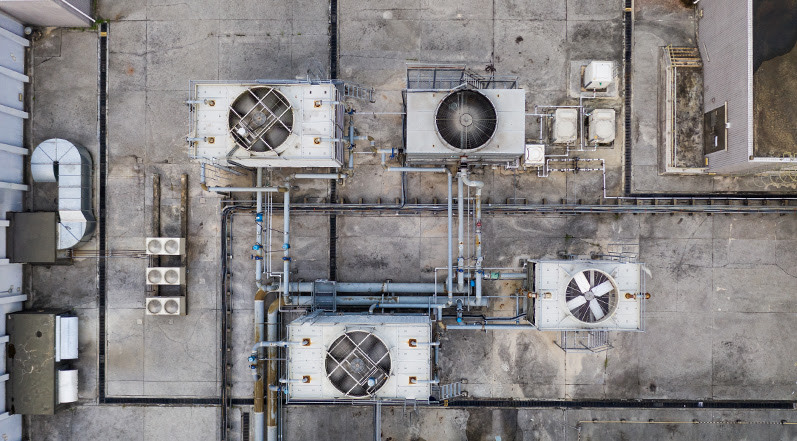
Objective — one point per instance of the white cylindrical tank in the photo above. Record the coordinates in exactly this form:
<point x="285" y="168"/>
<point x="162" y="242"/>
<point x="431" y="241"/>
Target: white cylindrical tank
<point x="601" y="126"/>
<point x="565" y="126"/>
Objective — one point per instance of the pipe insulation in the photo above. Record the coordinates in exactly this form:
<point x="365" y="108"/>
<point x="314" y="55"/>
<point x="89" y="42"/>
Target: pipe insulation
<point x="272" y="318"/>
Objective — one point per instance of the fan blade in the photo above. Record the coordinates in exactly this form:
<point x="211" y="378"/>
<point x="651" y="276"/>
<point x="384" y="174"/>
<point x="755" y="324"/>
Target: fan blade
<point x="595" y="307"/>
<point x="576" y="302"/>
<point x="602" y="289"/>
<point x="581" y="281"/>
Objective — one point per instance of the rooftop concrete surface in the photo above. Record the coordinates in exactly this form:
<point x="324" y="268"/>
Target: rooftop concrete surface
<point x="720" y="297"/>
<point x="461" y="424"/>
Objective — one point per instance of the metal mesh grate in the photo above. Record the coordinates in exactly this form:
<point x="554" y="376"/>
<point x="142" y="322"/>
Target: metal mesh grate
<point x="260" y="119"/>
<point x="358" y="363"/>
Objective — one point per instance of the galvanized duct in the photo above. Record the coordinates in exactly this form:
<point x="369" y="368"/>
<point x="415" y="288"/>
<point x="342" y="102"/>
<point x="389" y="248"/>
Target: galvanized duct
<point x="58" y="160"/>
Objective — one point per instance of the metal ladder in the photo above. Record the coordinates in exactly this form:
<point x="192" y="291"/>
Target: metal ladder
<point x="360" y="92"/>
<point x="584" y="341"/>
<point x="451" y="390"/>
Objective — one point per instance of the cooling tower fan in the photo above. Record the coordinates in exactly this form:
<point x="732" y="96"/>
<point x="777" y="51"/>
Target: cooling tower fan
<point x="591" y="296"/>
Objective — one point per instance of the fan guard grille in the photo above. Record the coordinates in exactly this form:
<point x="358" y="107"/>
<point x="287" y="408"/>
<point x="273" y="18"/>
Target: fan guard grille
<point x="466" y="119"/>
<point x="260" y="119"/>
<point x="591" y="296"/>
<point x="353" y="359"/>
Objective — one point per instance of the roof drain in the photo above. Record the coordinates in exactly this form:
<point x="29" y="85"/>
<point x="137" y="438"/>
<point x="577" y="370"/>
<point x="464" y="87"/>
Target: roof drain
<point x="58" y="160"/>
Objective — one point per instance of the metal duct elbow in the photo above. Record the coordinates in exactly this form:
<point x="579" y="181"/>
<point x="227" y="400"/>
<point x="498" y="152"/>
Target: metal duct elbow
<point x="58" y="160"/>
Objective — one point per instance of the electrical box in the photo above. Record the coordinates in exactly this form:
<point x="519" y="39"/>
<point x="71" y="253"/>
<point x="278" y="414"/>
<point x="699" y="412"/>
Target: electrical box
<point x="565" y="126"/>
<point x="601" y="126"/>
<point x="598" y="75"/>
<point x="40" y="380"/>
<point x="534" y="156"/>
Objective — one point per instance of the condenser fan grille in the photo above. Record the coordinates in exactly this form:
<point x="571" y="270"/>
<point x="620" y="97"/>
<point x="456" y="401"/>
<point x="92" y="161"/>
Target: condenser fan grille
<point x="466" y="119"/>
<point x="260" y="119"/>
<point x="591" y="296"/>
<point x="358" y="363"/>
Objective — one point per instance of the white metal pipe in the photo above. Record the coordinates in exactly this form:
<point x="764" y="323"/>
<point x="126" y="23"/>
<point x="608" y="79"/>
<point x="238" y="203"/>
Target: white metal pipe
<point x="259" y="415"/>
<point x="478" y="230"/>
<point x="271" y="370"/>
<point x="412" y="302"/>
<point x="275" y="344"/>
<point x="286" y="245"/>
<point x="432" y="381"/>
<point x="246" y="189"/>
<point x="294" y="380"/>
<point x="479" y="257"/>
<point x="320" y="176"/>
<point x="390" y="287"/>
<point x="450" y="275"/>
<point x="378" y="421"/>
<point x="425" y="343"/>
<point x="504" y="276"/>
<point x="259" y="233"/>
<point x="491" y="327"/>
<point x="404" y="305"/>
<point x="260" y="422"/>
<point x="460" y="234"/>
<point x="418" y="169"/>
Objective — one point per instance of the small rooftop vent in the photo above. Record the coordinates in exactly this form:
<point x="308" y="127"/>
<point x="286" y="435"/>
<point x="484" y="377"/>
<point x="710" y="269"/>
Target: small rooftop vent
<point x="466" y="119"/>
<point x="260" y="119"/>
<point x="358" y="363"/>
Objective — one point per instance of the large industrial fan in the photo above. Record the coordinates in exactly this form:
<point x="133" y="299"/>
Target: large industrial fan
<point x="591" y="296"/>
<point x="358" y="363"/>
<point x="260" y="119"/>
<point x="466" y="119"/>
<point x="588" y="294"/>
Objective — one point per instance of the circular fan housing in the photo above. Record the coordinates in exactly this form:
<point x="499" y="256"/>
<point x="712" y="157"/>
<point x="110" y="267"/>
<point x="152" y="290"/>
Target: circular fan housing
<point x="358" y="363"/>
<point x="260" y="119"/>
<point x="466" y="119"/>
<point x="591" y="296"/>
<point x="604" y="129"/>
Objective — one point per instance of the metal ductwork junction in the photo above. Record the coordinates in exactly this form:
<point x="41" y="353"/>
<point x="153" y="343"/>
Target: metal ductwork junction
<point x="58" y="160"/>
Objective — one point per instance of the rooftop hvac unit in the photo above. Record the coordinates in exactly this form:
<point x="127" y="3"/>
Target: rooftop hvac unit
<point x="486" y="125"/>
<point x="165" y="246"/>
<point x="166" y="276"/>
<point x="601" y="126"/>
<point x="279" y="124"/>
<point x="359" y="357"/>
<point x="576" y="295"/>
<point x="598" y="75"/>
<point x="165" y="306"/>
<point x="565" y="126"/>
